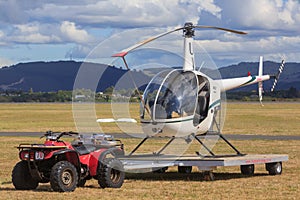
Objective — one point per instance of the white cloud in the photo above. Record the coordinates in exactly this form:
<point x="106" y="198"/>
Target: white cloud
<point x="72" y="33"/>
<point x="32" y="33"/>
<point x="115" y="13"/>
<point x="272" y="24"/>
<point x="266" y="14"/>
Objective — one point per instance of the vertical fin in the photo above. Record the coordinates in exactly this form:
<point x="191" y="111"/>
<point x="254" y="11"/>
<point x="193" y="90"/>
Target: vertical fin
<point x="260" y="84"/>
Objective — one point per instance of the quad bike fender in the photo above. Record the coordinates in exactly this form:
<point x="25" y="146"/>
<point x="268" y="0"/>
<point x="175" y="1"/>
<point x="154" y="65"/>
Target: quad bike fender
<point x="112" y="153"/>
<point x="68" y="155"/>
<point x="94" y="159"/>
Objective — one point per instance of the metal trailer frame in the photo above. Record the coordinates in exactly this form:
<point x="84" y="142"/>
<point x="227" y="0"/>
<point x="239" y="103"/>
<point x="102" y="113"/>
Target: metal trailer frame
<point x="160" y="162"/>
<point x="205" y="163"/>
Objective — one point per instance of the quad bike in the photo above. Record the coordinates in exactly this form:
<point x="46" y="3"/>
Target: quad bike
<point x="67" y="165"/>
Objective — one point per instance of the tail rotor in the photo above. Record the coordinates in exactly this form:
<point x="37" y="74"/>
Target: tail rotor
<point x="276" y="77"/>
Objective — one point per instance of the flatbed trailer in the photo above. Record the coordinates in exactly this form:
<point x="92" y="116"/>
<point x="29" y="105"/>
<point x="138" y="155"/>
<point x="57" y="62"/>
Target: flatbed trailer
<point x="159" y="162"/>
<point x="136" y="163"/>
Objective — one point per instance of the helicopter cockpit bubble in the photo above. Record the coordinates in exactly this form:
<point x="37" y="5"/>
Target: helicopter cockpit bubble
<point x="172" y="94"/>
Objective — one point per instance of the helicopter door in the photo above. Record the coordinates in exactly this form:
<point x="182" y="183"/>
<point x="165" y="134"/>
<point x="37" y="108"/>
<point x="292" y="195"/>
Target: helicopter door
<point x="203" y="101"/>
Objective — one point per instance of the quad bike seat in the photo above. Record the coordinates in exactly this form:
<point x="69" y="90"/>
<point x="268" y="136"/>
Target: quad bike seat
<point x="83" y="149"/>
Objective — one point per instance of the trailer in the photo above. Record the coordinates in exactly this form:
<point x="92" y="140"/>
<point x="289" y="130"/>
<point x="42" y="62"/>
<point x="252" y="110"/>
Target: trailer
<point x="159" y="162"/>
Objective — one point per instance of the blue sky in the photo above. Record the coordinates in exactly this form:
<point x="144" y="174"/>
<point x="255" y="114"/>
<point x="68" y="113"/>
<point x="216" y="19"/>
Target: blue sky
<point x="33" y="30"/>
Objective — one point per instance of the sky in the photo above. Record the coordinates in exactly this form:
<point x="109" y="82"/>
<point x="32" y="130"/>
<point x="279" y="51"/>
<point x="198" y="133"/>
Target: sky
<point x="54" y="30"/>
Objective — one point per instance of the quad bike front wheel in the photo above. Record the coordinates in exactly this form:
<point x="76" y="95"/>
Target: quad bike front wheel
<point x="111" y="173"/>
<point x="21" y="177"/>
<point x="63" y="177"/>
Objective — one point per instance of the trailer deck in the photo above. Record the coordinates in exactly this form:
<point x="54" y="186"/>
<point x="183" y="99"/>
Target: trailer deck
<point x="206" y="163"/>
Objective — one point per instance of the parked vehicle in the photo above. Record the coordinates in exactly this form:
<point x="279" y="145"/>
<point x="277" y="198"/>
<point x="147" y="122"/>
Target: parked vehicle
<point x="67" y="165"/>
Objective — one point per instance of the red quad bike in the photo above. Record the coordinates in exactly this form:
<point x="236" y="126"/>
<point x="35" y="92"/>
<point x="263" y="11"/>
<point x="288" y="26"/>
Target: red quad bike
<point x="67" y="165"/>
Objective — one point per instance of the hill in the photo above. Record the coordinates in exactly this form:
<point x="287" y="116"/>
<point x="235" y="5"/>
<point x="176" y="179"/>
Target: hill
<point x="289" y="78"/>
<point x="60" y="75"/>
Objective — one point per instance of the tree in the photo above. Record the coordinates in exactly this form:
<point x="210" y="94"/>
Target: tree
<point x="293" y="93"/>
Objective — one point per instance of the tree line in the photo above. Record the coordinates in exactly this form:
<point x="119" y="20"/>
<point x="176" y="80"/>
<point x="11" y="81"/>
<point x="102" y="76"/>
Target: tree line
<point x="78" y="95"/>
<point x="129" y="95"/>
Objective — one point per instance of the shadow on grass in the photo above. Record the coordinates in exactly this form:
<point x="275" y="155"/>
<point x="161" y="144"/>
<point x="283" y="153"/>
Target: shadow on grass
<point x="174" y="176"/>
<point x="168" y="176"/>
<point x="40" y="188"/>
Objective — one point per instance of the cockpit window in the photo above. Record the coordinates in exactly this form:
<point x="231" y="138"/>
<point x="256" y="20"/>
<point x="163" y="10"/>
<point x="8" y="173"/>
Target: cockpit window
<point x="150" y="94"/>
<point x="172" y="94"/>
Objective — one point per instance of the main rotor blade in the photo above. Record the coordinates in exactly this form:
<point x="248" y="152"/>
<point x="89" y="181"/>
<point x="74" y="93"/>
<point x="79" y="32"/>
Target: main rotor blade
<point x="133" y="47"/>
<point x="219" y="28"/>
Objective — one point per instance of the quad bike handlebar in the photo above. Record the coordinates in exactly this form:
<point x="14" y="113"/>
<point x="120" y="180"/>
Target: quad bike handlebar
<point x="55" y="136"/>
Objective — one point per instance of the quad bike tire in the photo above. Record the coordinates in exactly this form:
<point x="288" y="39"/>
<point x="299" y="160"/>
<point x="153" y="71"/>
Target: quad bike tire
<point x="111" y="173"/>
<point x="21" y="177"/>
<point x="63" y="177"/>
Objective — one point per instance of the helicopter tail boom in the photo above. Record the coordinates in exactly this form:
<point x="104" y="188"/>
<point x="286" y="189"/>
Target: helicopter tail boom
<point x="232" y="83"/>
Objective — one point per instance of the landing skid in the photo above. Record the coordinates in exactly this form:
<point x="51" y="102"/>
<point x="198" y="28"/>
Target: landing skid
<point x="214" y="131"/>
<point x="199" y="140"/>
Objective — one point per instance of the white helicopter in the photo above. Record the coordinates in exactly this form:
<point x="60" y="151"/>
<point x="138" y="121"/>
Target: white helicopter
<point x="183" y="102"/>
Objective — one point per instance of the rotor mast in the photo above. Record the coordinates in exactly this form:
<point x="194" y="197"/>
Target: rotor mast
<point x="189" y="58"/>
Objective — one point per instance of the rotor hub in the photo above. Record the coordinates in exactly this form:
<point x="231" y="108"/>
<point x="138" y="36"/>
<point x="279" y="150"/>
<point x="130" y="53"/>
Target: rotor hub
<point x="188" y="30"/>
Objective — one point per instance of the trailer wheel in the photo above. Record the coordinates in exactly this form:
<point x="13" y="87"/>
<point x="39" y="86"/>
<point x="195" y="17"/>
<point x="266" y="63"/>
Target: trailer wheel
<point x="247" y="169"/>
<point x="111" y="173"/>
<point x="63" y="177"/>
<point x="208" y="176"/>
<point x="21" y="177"/>
<point x="185" y="169"/>
<point x="274" y="168"/>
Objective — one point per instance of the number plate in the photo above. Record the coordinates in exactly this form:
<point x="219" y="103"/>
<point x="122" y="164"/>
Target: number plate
<point x="39" y="155"/>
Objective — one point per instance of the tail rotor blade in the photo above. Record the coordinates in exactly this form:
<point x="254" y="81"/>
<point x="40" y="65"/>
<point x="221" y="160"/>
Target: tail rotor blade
<point x="280" y="70"/>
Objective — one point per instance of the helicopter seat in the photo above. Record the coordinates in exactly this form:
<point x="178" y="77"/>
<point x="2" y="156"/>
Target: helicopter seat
<point x="202" y="107"/>
<point x="203" y="103"/>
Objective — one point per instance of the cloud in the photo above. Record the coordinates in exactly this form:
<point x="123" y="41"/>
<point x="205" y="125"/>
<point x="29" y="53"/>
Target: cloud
<point x="31" y="33"/>
<point x="272" y="24"/>
<point x="115" y="13"/>
<point x="266" y="14"/>
<point x="71" y="33"/>
<point x="37" y="33"/>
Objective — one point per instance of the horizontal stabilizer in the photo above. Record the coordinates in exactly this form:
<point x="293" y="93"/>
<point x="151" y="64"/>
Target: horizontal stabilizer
<point x="109" y="120"/>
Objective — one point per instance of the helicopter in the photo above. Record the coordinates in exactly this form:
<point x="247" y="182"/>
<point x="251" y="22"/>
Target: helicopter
<point x="184" y="102"/>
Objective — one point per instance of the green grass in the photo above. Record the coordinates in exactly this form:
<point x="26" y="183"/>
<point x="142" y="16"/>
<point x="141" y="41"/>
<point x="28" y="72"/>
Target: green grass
<point x="271" y="119"/>
<point x="241" y="118"/>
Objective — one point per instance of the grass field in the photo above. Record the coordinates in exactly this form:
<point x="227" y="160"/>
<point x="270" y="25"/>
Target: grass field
<point x="272" y="119"/>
